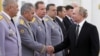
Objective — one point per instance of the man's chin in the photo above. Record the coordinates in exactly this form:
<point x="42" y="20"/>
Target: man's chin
<point x="14" y="15"/>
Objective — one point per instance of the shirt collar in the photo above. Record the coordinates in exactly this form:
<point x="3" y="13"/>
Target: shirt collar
<point x="50" y="17"/>
<point x="39" y="17"/>
<point x="6" y="15"/>
<point x="25" y="19"/>
<point x="60" y="18"/>
<point x="81" y="23"/>
<point x="68" y="17"/>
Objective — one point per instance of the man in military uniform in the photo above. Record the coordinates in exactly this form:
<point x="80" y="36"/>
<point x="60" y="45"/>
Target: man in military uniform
<point x="55" y="30"/>
<point x="29" y="43"/>
<point x="40" y="29"/>
<point x="10" y="44"/>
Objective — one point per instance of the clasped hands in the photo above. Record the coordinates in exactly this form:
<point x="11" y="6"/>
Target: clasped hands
<point x="50" y="49"/>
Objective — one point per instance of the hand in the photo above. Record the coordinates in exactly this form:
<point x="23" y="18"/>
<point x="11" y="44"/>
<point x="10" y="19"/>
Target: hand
<point x="50" y="49"/>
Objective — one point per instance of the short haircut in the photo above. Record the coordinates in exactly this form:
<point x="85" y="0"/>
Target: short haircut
<point x="69" y="7"/>
<point x="48" y="6"/>
<point x="26" y="7"/>
<point x="59" y="9"/>
<point x="83" y="12"/>
<point x="7" y="2"/>
<point x="37" y="4"/>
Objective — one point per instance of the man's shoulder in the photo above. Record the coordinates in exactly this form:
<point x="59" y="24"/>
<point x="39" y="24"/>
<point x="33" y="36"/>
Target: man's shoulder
<point x="21" y="22"/>
<point x="1" y="17"/>
<point x="90" y="25"/>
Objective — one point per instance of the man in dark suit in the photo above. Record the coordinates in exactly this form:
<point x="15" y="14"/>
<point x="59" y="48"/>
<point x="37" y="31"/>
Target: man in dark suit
<point x="84" y="42"/>
<point x="68" y="20"/>
<point x="61" y="13"/>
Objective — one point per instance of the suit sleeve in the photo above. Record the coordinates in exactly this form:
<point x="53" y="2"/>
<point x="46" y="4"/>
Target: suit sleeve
<point x="94" y="42"/>
<point x="62" y="45"/>
<point x="28" y="41"/>
<point x="2" y="40"/>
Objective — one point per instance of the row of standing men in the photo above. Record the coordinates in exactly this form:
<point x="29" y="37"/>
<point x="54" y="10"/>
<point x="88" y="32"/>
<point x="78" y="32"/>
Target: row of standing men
<point x="36" y="33"/>
<point x="46" y="29"/>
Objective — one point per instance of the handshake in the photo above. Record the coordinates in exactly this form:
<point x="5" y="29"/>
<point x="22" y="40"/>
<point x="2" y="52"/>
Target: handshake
<point x="50" y="49"/>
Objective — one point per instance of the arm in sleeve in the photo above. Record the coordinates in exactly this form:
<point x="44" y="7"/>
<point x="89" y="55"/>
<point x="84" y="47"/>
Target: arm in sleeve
<point x="2" y="40"/>
<point x="62" y="45"/>
<point x="94" y="42"/>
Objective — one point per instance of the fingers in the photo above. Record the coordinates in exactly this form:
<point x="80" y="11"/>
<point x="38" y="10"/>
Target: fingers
<point x="50" y="49"/>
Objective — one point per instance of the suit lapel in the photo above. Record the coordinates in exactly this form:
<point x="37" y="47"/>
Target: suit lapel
<point x="59" y="22"/>
<point x="67" y="19"/>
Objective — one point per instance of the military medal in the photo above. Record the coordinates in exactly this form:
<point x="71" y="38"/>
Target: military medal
<point x="40" y="28"/>
<point x="11" y="32"/>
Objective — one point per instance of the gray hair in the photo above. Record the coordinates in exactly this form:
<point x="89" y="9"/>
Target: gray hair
<point x="7" y="2"/>
<point x="26" y="7"/>
<point x="83" y="12"/>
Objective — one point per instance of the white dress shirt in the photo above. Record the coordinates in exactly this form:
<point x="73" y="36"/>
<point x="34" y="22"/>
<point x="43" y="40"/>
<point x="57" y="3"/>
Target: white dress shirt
<point x="81" y="25"/>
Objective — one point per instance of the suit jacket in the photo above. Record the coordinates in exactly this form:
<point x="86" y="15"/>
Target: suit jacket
<point x="10" y="43"/>
<point x="62" y="25"/>
<point x="67" y="23"/>
<point x="87" y="43"/>
<point x="29" y="43"/>
<point x="55" y="33"/>
<point x="42" y="35"/>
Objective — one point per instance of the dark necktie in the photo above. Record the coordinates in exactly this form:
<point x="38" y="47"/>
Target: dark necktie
<point x="43" y="23"/>
<point x="77" y="31"/>
<point x="12" y="21"/>
<point x="63" y="24"/>
<point x="71" y="21"/>
<point x="54" y="20"/>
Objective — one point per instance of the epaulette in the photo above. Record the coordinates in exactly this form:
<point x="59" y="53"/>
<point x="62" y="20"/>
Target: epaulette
<point x="1" y="17"/>
<point x="46" y="19"/>
<point x="21" y="21"/>
<point x="33" y="20"/>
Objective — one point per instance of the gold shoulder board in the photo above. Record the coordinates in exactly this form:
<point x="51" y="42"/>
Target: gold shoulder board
<point x="33" y="20"/>
<point x="21" y="21"/>
<point x="46" y="19"/>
